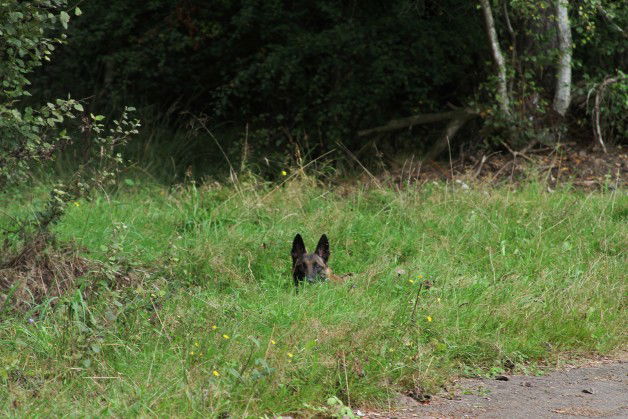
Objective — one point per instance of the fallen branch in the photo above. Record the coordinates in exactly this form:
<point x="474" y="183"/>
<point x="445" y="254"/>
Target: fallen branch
<point x="424" y="118"/>
<point x="479" y="169"/>
<point x="457" y="118"/>
<point x="516" y="154"/>
<point x="457" y="122"/>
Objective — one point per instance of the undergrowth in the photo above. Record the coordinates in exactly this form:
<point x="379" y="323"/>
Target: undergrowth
<point x="210" y="323"/>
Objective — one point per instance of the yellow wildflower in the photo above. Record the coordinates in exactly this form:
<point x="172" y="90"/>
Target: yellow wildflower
<point x="214" y="327"/>
<point x="191" y="352"/>
<point x="77" y="204"/>
<point x="216" y="373"/>
<point x="225" y="336"/>
<point x="411" y="281"/>
<point x="429" y="318"/>
<point x="196" y="344"/>
<point x="273" y="342"/>
<point x="284" y="173"/>
<point x="290" y="355"/>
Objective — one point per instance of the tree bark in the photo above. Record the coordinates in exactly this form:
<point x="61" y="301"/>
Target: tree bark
<point x="562" y="95"/>
<point x="502" y="86"/>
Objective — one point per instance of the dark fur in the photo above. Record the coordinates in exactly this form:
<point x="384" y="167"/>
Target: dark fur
<point x="310" y="267"/>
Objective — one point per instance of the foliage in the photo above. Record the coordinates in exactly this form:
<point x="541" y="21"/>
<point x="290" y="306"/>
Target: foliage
<point x="528" y="36"/>
<point x="31" y="135"/>
<point x="315" y="71"/>
<point x="101" y="165"/>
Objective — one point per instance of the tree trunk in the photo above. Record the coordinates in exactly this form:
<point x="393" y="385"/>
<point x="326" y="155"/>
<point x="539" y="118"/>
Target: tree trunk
<point x="562" y="95"/>
<point x="502" y="95"/>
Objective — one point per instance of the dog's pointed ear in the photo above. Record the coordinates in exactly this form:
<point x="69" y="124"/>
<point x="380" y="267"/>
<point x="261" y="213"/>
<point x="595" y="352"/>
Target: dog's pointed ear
<point x="298" y="248"/>
<point x="322" y="248"/>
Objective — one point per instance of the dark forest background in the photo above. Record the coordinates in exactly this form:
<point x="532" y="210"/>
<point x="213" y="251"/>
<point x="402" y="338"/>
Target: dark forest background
<point x="279" y="80"/>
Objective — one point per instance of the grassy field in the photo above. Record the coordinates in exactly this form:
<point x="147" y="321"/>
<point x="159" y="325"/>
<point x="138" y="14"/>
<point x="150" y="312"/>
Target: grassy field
<point x="208" y="322"/>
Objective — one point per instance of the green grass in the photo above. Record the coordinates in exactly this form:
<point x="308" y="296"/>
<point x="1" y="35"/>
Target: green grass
<point x="523" y="275"/>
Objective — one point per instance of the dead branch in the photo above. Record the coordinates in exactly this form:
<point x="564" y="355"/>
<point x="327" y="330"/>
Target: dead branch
<point x="610" y="20"/>
<point x="513" y="45"/>
<point x="457" y="122"/>
<point x="599" y="95"/>
<point x="516" y="154"/>
<point x="479" y="169"/>
<point x="457" y="118"/>
<point x="409" y="122"/>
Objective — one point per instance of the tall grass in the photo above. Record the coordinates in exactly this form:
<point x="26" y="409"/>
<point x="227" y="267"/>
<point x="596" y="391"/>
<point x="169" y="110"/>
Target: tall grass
<point x="212" y="325"/>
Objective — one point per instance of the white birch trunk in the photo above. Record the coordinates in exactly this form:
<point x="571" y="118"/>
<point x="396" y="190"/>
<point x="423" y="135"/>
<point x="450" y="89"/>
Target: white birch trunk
<point x="562" y="95"/>
<point x="502" y="87"/>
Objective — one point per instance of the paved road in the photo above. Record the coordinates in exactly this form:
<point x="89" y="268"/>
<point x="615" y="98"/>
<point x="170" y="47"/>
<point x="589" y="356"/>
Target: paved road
<point x="599" y="389"/>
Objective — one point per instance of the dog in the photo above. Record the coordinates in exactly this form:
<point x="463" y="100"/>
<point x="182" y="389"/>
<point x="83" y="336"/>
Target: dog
<point x="311" y="267"/>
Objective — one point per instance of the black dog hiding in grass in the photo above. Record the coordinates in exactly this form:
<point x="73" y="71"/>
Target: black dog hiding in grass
<point x="311" y="267"/>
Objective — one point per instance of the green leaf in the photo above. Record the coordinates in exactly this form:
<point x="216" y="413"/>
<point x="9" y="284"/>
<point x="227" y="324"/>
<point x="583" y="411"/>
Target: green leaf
<point x="77" y="12"/>
<point x="78" y="107"/>
<point x="64" y="17"/>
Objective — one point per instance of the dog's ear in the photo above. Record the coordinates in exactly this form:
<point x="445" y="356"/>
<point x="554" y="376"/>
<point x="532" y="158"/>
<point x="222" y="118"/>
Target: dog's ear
<point x="322" y="248"/>
<point x="298" y="248"/>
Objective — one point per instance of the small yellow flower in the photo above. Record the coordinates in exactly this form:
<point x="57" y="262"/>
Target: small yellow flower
<point x="77" y="204"/>
<point x="196" y="344"/>
<point x="191" y="352"/>
<point x="225" y="336"/>
<point x="214" y="327"/>
<point x="284" y="173"/>
<point x="429" y="318"/>
<point x="273" y="342"/>
<point x="420" y="277"/>
<point x="290" y="355"/>
<point x="411" y="281"/>
<point x="438" y="299"/>
<point x="216" y="373"/>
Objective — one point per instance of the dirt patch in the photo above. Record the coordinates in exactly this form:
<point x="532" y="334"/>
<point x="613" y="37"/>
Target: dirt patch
<point x="38" y="272"/>
<point x="584" y="167"/>
<point x="43" y="270"/>
<point x="599" y="389"/>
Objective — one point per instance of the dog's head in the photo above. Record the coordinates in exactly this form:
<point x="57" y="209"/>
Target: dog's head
<point x="310" y="267"/>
